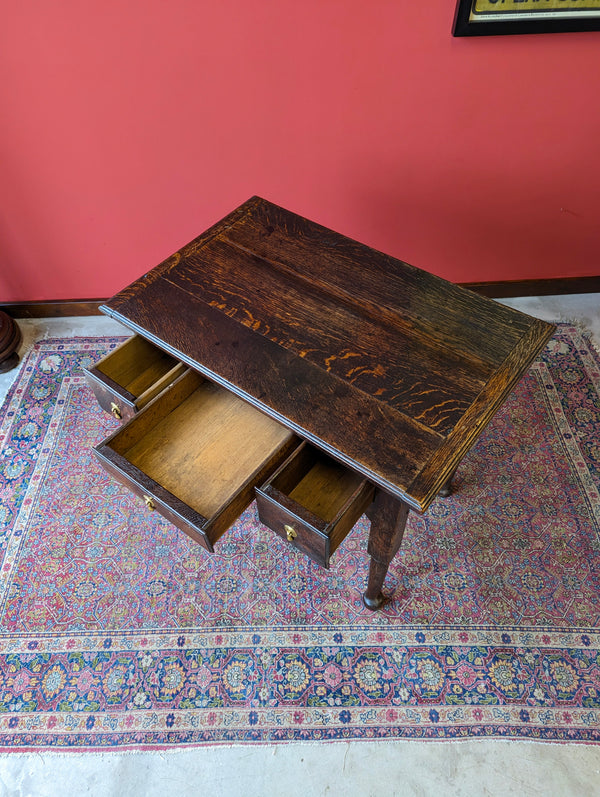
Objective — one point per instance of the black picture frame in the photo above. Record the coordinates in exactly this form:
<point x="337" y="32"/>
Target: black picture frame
<point x="518" y="19"/>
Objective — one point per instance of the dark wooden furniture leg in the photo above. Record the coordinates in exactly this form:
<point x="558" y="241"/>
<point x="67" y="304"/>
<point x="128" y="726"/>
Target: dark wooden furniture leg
<point x="388" y="519"/>
<point x="447" y="489"/>
<point x="10" y="340"/>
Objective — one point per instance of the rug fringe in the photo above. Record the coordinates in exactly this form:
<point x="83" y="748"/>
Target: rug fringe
<point x="273" y="747"/>
<point x="583" y="327"/>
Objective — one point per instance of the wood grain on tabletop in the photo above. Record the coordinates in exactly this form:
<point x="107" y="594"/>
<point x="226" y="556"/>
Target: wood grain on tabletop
<point x="387" y="367"/>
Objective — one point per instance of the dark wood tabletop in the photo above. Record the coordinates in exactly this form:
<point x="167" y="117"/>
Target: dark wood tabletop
<point x="387" y="368"/>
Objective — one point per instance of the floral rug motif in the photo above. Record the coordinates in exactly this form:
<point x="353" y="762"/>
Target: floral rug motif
<point x="117" y="631"/>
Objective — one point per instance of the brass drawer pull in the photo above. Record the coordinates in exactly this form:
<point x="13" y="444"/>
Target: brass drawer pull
<point x="290" y="532"/>
<point x="114" y="408"/>
<point x="149" y="502"/>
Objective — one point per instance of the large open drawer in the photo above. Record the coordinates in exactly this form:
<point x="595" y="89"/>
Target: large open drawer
<point x="195" y="454"/>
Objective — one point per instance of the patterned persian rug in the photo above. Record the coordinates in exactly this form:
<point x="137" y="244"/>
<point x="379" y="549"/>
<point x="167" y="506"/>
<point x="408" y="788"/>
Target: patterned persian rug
<point x="117" y="631"/>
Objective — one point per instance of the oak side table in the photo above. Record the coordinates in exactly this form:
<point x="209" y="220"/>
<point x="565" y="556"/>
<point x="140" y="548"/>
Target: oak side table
<point x="274" y="358"/>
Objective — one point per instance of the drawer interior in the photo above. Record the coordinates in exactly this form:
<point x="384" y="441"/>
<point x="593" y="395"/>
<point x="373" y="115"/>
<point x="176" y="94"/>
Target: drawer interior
<point x="200" y="442"/>
<point x="138" y="366"/>
<point x="317" y="482"/>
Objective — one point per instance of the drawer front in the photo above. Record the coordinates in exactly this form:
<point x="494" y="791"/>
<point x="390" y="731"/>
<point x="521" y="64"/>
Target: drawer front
<point x="276" y="512"/>
<point x="131" y="376"/>
<point x="313" y="502"/>
<point x="196" y="452"/>
<point x="110" y="396"/>
<point x="155" y="498"/>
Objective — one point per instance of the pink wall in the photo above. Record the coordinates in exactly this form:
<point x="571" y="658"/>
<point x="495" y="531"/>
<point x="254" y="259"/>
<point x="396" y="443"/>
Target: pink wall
<point x="129" y="127"/>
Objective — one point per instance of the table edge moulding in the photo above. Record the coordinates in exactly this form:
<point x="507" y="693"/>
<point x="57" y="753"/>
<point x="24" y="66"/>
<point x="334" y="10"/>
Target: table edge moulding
<point x="382" y="375"/>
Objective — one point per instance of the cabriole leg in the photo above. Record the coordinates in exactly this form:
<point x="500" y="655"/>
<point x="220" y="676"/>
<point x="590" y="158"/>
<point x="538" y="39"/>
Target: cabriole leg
<point x="388" y="521"/>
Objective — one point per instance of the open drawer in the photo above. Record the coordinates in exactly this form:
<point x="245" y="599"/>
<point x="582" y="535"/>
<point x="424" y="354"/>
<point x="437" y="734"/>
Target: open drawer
<point x="132" y="375"/>
<point x="195" y="454"/>
<point x="313" y="502"/>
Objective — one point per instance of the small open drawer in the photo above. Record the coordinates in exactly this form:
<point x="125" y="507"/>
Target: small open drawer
<point x="195" y="454"/>
<point x="132" y="375"/>
<point x="313" y="502"/>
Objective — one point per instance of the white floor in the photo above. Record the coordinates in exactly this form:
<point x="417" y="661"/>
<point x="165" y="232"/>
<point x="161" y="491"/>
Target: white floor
<point x="307" y="770"/>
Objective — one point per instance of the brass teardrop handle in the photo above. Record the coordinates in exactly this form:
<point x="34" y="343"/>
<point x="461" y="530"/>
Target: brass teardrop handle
<point x="114" y="408"/>
<point x="290" y="532"/>
<point x="149" y="502"/>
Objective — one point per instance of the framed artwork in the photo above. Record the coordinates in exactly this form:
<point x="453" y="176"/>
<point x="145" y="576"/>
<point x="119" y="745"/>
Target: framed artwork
<point x="492" y="17"/>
